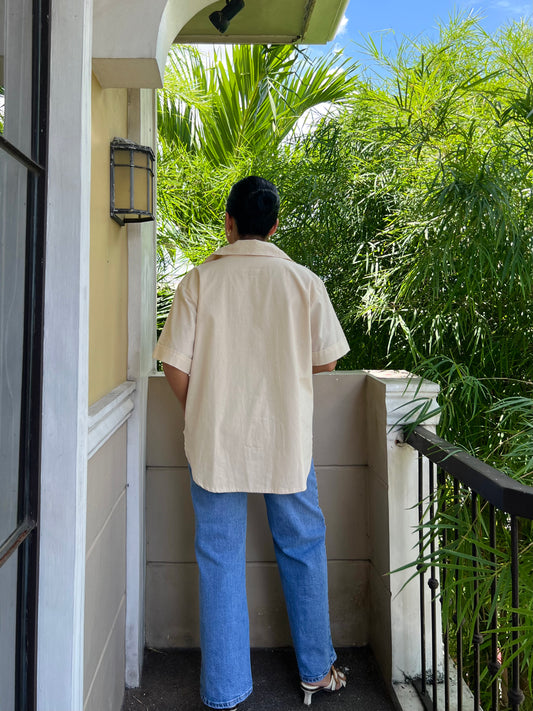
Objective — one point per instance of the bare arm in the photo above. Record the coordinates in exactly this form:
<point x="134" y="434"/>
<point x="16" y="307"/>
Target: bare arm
<point x="178" y="381"/>
<point x="327" y="368"/>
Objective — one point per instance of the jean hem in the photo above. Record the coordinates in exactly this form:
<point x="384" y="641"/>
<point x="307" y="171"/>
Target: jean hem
<point x="314" y="679"/>
<point x="227" y="704"/>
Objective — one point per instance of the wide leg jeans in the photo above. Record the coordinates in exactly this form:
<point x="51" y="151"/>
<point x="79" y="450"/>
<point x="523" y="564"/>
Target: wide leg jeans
<point x="298" y="531"/>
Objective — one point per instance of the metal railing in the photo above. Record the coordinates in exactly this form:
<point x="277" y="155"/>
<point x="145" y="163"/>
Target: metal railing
<point x="474" y="521"/>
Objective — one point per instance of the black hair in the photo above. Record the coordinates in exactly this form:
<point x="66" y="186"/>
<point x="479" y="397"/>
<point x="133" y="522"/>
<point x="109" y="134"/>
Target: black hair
<point x="254" y="205"/>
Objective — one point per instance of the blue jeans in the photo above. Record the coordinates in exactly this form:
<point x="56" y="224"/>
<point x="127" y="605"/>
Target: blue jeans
<point x="298" y="531"/>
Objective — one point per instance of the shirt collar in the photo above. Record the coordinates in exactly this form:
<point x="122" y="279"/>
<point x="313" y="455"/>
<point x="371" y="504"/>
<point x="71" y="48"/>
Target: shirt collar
<point x="249" y="248"/>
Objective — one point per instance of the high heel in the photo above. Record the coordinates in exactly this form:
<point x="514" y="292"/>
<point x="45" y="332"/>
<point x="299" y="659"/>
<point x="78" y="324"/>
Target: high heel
<point x="336" y="682"/>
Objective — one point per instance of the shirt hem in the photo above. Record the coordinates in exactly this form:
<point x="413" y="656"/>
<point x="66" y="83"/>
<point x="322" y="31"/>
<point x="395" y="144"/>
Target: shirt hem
<point x="246" y="490"/>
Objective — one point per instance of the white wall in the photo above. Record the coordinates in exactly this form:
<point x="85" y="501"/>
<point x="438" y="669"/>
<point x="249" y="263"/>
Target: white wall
<point x="340" y="457"/>
<point x="368" y="489"/>
<point x="105" y="589"/>
<point x="142" y="124"/>
<point x="65" y="363"/>
<point x="394" y="634"/>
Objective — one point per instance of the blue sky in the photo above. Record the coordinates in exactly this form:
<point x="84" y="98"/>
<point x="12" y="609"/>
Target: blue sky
<point x="393" y="19"/>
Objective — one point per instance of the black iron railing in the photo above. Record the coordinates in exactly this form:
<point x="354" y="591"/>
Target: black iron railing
<point x="475" y="523"/>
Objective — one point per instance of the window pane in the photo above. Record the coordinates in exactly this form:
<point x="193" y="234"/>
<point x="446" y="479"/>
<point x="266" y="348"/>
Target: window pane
<point x="12" y="270"/>
<point x="8" y="631"/>
<point x="15" y="72"/>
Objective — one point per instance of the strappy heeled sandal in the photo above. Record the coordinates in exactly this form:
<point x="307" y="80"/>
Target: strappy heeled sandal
<point x="336" y="682"/>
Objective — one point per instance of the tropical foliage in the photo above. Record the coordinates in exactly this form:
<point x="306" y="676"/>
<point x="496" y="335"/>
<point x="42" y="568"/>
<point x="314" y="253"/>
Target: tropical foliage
<point x="245" y="101"/>
<point x="479" y="612"/>
<point x="412" y="199"/>
<point x="215" y="117"/>
<point x="416" y="208"/>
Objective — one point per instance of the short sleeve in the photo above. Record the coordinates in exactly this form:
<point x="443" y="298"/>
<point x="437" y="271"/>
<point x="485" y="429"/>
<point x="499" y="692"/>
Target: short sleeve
<point x="328" y="340"/>
<point x="176" y="342"/>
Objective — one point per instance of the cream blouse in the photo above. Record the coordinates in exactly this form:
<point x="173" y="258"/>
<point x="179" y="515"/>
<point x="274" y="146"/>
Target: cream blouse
<point x="247" y="325"/>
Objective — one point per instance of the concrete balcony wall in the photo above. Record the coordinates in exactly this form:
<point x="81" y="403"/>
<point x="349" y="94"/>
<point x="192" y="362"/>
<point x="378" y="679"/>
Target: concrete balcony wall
<point x="392" y="400"/>
<point x="340" y="455"/>
<point x="368" y="490"/>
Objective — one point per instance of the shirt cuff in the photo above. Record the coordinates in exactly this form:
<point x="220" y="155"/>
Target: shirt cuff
<point x="172" y="357"/>
<point x="334" y="352"/>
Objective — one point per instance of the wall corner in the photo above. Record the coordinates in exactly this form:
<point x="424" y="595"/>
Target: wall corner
<point x="395" y="398"/>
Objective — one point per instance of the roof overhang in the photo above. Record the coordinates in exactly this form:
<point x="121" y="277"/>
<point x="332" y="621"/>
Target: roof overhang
<point x="131" y="38"/>
<point x="269" y="22"/>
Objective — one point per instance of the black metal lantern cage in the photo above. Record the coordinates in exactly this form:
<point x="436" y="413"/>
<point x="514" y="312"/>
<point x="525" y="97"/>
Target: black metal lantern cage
<point x="131" y="182"/>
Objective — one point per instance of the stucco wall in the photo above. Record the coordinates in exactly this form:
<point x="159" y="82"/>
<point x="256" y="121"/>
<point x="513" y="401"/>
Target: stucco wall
<point x="108" y="304"/>
<point x="340" y="455"/>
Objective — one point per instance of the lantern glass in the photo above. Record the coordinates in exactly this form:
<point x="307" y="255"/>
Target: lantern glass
<point x="140" y="190"/>
<point x="140" y="159"/>
<point x="122" y="179"/>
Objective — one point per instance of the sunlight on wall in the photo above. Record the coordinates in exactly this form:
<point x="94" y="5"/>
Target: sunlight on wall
<point x="108" y="310"/>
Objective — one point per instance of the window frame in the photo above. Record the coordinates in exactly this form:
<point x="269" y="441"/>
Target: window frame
<point x="24" y="539"/>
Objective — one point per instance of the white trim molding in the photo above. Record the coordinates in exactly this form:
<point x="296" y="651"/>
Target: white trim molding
<point x="131" y="39"/>
<point x="142" y="124"/>
<point x="395" y="398"/>
<point x="407" y="398"/>
<point x="119" y="61"/>
<point x="63" y="505"/>
<point x="108" y="414"/>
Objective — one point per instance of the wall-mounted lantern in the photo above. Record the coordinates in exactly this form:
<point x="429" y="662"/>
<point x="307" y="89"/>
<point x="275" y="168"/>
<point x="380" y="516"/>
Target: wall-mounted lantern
<point x="132" y="182"/>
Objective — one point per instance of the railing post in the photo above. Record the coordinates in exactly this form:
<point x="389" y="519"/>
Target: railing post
<point x="392" y="397"/>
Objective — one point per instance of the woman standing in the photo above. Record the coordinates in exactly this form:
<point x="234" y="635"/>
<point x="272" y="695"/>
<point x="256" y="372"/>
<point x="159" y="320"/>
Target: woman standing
<point x="247" y="330"/>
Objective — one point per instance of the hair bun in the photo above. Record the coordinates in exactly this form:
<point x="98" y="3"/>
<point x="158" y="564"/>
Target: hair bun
<point x="254" y="203"/>
<point x="264" y="198"/>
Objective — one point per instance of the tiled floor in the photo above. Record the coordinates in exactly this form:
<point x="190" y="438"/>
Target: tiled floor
<point x="171" y="683"/>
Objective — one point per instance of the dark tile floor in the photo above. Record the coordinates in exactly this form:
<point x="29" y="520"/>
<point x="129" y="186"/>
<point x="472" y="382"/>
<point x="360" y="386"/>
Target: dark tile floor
<point x="171" y="683"/>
